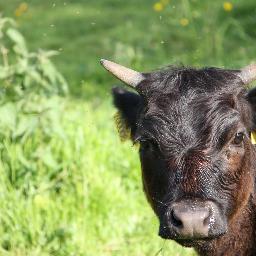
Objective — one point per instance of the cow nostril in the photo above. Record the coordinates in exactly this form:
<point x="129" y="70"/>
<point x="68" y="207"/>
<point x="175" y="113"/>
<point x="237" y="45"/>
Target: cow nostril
<point x="175" y="220"/>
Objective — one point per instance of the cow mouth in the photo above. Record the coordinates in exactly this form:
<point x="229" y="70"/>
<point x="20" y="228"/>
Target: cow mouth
<point x="192" y="242"/>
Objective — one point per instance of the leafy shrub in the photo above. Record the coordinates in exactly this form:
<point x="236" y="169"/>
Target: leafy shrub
<point x="30" y="107"/>
<point x="27" y="80"/>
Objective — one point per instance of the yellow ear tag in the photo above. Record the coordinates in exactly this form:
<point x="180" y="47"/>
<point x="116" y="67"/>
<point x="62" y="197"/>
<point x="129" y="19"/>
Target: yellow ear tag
<point x="253" y="137"/>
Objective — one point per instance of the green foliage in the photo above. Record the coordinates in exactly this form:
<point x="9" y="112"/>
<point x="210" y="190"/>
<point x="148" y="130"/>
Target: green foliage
<point x="28" y="80"/>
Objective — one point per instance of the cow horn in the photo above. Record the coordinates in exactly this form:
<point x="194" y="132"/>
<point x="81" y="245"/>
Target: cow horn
<point x="128" y="76"/>
<point x="248" y="74"/>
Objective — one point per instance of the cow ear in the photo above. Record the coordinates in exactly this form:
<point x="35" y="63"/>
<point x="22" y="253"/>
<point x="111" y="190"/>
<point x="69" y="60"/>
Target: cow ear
<point x="128" y="105"/>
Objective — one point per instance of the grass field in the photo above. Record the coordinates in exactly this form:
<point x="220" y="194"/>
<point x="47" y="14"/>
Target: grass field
<point x="79" y="192"/>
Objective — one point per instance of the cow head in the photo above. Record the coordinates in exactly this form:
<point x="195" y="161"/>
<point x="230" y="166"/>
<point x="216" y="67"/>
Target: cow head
<point x="193" y="127"/>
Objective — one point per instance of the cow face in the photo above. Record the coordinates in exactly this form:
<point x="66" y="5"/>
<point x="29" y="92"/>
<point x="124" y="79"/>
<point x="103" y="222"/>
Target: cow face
<point x="193" y="127"/>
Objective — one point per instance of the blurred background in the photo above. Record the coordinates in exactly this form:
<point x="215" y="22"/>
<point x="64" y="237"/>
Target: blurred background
<point x="68" y="186"/>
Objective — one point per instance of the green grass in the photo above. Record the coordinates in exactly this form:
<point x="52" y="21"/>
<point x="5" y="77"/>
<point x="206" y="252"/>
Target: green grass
<point x="80" y="193"/>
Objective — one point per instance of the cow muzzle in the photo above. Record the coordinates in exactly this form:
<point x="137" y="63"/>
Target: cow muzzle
<point x="192" y="220"/>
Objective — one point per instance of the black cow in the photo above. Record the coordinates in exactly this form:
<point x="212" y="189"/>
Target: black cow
<point x="198" y="162"/>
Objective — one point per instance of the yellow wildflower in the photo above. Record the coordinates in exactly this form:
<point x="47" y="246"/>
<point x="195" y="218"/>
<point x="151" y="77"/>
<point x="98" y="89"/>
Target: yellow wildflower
<point x="158" y="7"/>
<point x="184" y="22"/>
<point x="17" y="13"/>
<point x="228" y="6"/>
<point x="23" y="7"/>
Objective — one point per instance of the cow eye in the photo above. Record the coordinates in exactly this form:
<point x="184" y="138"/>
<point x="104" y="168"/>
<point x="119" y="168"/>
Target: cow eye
<point x="239" y="137"/>
<point x="147" y="144"/>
